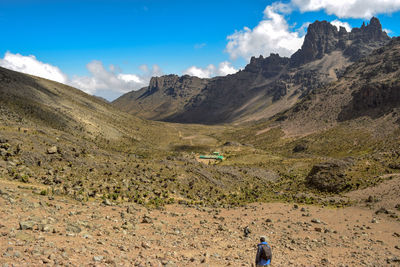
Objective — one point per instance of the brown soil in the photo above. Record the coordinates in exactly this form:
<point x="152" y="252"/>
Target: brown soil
<point x="95" y="234"/>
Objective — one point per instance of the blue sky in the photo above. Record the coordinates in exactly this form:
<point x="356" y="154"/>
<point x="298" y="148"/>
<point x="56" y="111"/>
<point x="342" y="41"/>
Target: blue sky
<point x="82" y="38"/>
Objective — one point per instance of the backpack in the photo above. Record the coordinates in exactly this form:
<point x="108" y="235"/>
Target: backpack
<point x="266" y="252"/>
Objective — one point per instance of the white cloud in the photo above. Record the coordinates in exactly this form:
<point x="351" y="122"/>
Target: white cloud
<point x="339" y="24"/>
<point x="349" y="8"/>
<point x="129" y="78"/>
<point x="206" y="72"/>
<point x="101" y="79"/>
<point x="30" y="65"/>
<point x="387" y="31"/>
<point x="224" y="68"/>
<point x="271" y="35"/>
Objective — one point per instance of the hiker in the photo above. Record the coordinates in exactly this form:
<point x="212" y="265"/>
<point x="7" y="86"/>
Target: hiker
<point x="264" y="255"/>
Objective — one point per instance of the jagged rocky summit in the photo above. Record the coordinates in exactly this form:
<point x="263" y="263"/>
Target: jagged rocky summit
<point x="323" y="38"/>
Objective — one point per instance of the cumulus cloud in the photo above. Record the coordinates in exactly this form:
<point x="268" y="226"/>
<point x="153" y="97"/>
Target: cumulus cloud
<point x="271" y="35"/>
<point x="101" y="79"/>
<point x="224" y="68"/>
<point x="349" y="8"/>
<point x="339" y="24"/>
<point x="30" y="65"/>
<point x="206" y="72"/>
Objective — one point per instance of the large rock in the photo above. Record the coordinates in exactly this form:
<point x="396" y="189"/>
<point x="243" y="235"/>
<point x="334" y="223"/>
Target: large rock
<point x="329" y="176"/>
<point x="52" y="150"/>
<point x="27" y="225"/>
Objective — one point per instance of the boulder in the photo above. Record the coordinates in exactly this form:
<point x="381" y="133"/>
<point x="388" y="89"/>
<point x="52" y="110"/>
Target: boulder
<point x="107" y="202"/>
<point x="300" y="148"/>
<point x="329" y="176"/>
<point x="27" y="225"/>
<point x="52" y="150"/>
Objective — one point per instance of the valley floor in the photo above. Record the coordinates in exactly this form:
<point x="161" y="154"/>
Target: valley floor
<point x="39" y="230"/>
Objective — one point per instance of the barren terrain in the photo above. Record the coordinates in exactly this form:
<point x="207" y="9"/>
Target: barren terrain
<point x="38" y="230"/>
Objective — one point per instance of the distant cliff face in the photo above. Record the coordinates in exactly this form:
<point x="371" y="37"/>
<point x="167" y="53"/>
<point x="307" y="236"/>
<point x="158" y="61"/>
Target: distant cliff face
<point x="164" y="96"/>
<point x="375" y="85"/>
<point x="173" y="86"/>
<point x="266" y="86"/>
<point x="368" y="88"/>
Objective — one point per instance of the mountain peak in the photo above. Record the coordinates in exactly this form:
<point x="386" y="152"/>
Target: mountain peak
<point x="373" y="31"/>
<point x="323" y="38"/>
<point x="374" y="22"/>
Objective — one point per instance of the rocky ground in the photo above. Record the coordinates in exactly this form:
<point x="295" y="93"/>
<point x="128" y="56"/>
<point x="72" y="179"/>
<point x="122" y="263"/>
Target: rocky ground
<point x="39" y="230"/>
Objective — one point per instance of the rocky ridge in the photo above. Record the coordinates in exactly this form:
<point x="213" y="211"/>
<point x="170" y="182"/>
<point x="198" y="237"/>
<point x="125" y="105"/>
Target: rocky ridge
<point x="265" y="87"/>
<point x="323" y="38"/>
<point x="368" y="88"/>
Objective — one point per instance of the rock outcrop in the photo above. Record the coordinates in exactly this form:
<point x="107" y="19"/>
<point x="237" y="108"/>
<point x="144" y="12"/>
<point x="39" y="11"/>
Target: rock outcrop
<point x="377" y="91"/>
<point x="163" y="97"/>
<point x="323" y="38"/>
<point x="173" y="85"/>
<point x="369" y="90"/>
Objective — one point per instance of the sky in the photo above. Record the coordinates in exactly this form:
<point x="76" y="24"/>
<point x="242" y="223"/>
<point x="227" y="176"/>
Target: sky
<point x="110" y="47"/>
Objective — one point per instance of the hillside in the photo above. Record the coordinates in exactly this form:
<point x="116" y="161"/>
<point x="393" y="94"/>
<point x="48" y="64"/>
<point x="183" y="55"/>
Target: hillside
<point x="349" y="127"/>
<point x="266" y="86"/>
<point x="79" y="145"/>
<point x="368" y="89"/>
<point x="76" y="145"/>
<point x="49" y="104"/>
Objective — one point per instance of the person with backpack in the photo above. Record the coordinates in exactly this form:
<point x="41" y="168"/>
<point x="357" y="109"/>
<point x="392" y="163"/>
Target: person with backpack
<point x="264" y="254"/>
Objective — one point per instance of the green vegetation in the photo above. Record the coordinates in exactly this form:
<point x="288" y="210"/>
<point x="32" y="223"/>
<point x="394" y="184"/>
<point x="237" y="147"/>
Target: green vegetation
<point x="105" y="154"/>
<point x="264" y="168"/>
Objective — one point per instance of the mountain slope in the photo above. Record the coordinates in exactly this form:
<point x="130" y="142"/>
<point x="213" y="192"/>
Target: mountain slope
<point x="58" y="106"/>
<point x="369" y="88"/>
<point x="264" y="87"/>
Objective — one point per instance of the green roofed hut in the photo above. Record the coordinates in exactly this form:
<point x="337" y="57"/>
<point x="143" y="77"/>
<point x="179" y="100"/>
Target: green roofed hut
<point x="215" y="156"/>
